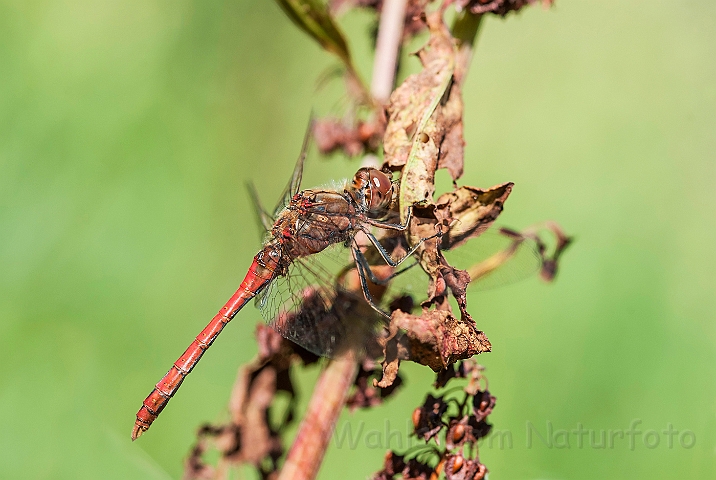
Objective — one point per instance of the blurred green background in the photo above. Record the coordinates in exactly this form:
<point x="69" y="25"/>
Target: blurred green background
<point x="128" y="129"/>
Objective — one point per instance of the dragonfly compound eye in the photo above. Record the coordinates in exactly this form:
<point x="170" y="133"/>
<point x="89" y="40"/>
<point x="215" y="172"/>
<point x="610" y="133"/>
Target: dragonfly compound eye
<point x="380" y="190"/>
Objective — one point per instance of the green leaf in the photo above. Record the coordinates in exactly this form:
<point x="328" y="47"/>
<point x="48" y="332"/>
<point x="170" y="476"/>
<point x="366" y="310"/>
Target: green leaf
<point x="312" y="17"/>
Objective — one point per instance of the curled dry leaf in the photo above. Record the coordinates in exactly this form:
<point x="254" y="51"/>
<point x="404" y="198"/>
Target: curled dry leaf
<point x="469" y="211"/>
<point x="421" y="112"/>
<point x="462" y="214"/>
<point x="435" y="339"/>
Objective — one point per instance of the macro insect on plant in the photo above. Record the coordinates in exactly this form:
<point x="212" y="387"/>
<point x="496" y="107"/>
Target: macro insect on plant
<point x="331" y="272"/>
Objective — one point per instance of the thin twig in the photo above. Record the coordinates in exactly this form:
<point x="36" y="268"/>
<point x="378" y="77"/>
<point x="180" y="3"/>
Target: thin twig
<point x="390" y="34"/>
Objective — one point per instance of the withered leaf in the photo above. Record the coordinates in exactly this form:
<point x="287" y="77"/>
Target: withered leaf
<point x="419" y="119"/>
<point x="469" y="211"/>
<point x="437" y="339"/>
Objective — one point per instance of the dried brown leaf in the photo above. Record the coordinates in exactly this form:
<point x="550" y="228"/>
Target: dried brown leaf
<point x="418" y="119"/>
<point x="469" y="211"/>
<point x="437" y="339"/>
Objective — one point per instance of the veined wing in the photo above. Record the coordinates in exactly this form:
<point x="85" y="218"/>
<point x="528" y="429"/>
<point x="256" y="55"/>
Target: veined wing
<point x="266" y="219"/>
<point x="496" y="258"/>
<point x="314" y="305"/>
<point x="294" y="185"/>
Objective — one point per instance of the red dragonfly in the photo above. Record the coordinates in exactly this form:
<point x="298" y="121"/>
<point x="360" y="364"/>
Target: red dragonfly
<point x="295" y="288"/>
<point x="310" y="222"/>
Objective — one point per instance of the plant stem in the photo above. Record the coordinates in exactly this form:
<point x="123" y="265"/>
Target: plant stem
<point x="329" y="396"/>
<point x="387" y="48"/>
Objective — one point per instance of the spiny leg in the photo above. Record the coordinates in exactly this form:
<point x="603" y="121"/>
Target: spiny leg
<point x="392" y="226"/>
<point x="386" y="256"/>
<point x="364" y="283"/>
<point x="360" y="258"/>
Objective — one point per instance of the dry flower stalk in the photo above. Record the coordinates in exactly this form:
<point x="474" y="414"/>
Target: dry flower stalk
<point x="420" y="130"/>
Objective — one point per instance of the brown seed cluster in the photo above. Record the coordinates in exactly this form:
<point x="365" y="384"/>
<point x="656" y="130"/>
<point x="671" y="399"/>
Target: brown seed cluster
<point x="451" y="424"/>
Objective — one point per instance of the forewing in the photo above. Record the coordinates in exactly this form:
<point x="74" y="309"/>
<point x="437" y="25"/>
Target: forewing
<point x="263" y="218"/>
<point x="294" y="185"/>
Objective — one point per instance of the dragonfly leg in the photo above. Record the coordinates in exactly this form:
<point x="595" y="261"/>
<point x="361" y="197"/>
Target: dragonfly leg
<point x="386" y="256"/>
<point x="392" y="226"/>
<point x="362" y="268"/>
<point x="360" y="258"/>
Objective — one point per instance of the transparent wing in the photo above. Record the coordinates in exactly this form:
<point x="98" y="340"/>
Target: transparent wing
<point x="263" y="219"/>
<point x="496" y="258"/>
<point x="313" y="306"/>
<point x="294" y="185"/>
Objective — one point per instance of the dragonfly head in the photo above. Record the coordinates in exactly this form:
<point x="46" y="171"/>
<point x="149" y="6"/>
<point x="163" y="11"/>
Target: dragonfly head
<point x="371" y="189"/>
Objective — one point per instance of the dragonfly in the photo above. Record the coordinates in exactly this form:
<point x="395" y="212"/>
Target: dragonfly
<point x="311" y="221"/>
<point x="292" y="282"/>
